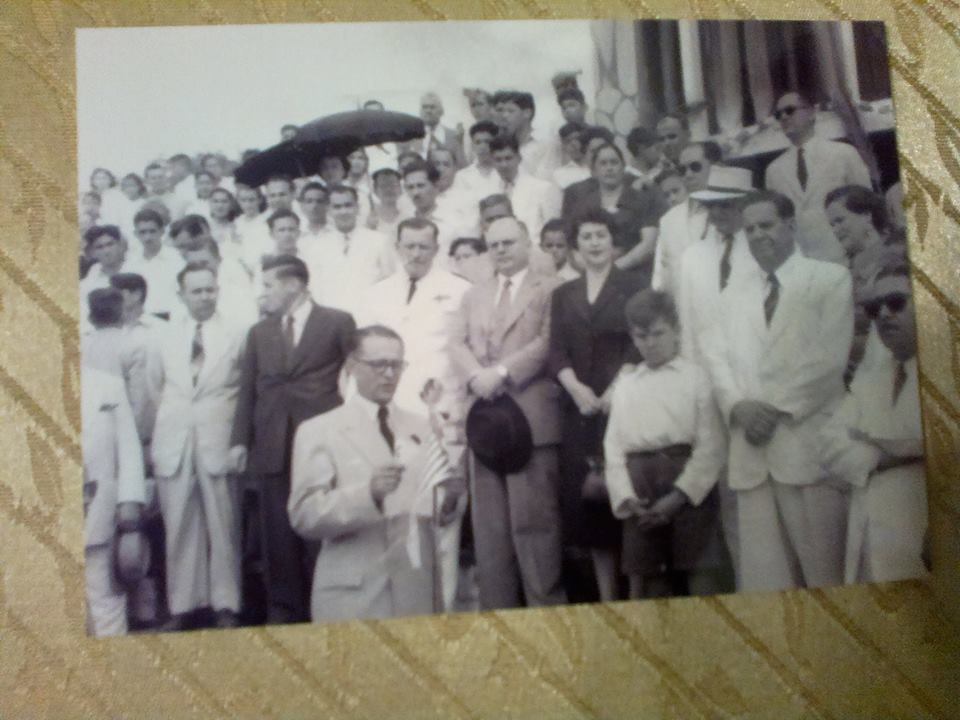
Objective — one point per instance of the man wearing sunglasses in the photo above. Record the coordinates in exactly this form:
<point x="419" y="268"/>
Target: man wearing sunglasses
<point x="810" y="169"/>
<point x="888" y="507"/>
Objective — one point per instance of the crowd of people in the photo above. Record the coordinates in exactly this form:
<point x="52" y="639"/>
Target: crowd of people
<point x="488" y="370"/>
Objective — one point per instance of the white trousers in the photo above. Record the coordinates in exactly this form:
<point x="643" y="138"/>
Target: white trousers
<point x="791" y="536"/>
<point x="106" y="600"/>
<point x="201" y="518"/>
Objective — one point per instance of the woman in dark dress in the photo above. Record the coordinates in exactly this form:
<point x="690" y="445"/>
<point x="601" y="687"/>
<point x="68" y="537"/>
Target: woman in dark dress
<point x="589" y="345"/>
<point x="635" y="214"/>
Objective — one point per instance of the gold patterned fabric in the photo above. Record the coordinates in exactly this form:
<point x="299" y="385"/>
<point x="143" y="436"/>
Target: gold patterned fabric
<point x="856" y="652"/>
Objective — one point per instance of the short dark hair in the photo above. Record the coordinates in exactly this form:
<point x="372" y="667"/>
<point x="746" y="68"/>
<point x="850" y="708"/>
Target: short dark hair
<point x="553" y="225"/>
<point x="484" y="126"/>
<point x="497" y="199"/>
<point x="344" y="163"/>
<point x="341" y="189"/>
<point x="591" y="132"/>
<point x="91" y="194"/>
<point x="383" y="172"/>
<point x="314" y="185"/>
<point x="280" y="215"/>
<point x="287" y="266"/>
<point x="478" y="245"/>
<point x="280" y="177"/>
<point x="861" y="201"/>
<point x="361" y="334"/>
<point x="570" y="128"/>
<point x="289" y="126"/>
<point x="372" y="101"/>
<point x="893" y="263"/>
<point x="138" y="180"/>
<point x="415" y="223"/>
<point x="804" y="96"/>
<point x="648" y="306"/>
<point x="181" y="158"/>
<point x="106" y="307"/>
<point x="131" y="282"/>
<point x="413" y="154"/>
<point x="97" y="231"/>
<point x="203" y="242"/>
<point x="148" y="215"/>
<point x="502" y="142"/>
<point x="640" y="138"/>
<point x="113" y="178"/>
<point x="423" y="166"/>
<point x="594" y="215"/>
<point x="194" y="267"/>
<point x="784" y="205"/>
<point x="193" y="225"/>
<point x="571" y="94"/>
<point x="153" y="166"/>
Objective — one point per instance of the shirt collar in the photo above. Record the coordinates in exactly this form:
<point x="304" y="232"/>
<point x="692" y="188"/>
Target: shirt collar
<point x="370" y="409"/>
<point x="673" y="364"/>
<point x="301" y="310"/>
<point x="516" y="280"/>
<point x="787" y="271"/>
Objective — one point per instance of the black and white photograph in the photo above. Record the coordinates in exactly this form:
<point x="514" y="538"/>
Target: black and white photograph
<point x="394" y="319"/>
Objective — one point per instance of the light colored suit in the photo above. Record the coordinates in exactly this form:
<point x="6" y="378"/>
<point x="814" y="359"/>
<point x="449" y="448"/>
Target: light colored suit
<point x="680" y="227"/>
<point x="791" y="525"/>
<point x="516" y="518"/>
<point x="191" y="440"/>
<point x="364" y="569"/>
<point x="112" y="459"/>
<point x="830" y="165"/>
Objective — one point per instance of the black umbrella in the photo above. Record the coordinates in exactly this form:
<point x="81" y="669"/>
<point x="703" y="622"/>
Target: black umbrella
<point x="338" y="134"/>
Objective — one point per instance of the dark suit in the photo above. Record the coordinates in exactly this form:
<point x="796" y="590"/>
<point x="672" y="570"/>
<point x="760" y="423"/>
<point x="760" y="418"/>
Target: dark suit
<point x="593" y="341"/>
<point x="636" y="209"/>
<point x="516" y="518"/>
<point x="277" y="394"/>
<point x="443" y="137"/>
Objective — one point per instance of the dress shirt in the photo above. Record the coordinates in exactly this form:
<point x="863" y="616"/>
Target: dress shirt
<point x="678" y="408"/>
<point x="300" y="313"/>
<point x="340" y="280"/>
<point x="568" y="174"/>
<point x="532" y="152"/>
<point x="160" y="272"/>
<point x="516" y="280"/>
<point x="477" y="182"/>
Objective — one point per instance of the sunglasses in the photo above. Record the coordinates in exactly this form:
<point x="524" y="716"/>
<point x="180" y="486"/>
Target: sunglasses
<point x="894" y="302"/>
<point x="694" y="167"/>
<point x="786" y="111"/>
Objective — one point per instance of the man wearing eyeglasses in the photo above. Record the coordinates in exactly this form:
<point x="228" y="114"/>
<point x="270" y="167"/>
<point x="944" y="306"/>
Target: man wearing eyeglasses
<point x="881" y="443"/>
<point x="776" y="357"/>
<point x="361" y="483"/>
<point x="810" y="169"/>
<point x="686" y="223"/>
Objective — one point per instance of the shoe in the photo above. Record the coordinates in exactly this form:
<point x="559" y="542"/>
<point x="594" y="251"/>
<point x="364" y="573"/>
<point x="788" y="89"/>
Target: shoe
<point x="226" y="619"/>
<point x="176" y="623"/>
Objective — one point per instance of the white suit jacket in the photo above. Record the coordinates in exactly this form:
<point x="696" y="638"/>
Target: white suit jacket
<point x="698" y="296"/>
<point x="680" y="227"/>
<point x="796" y="365"/>
<point x="830" y="165"/>
<point x="201" y="414"/>
<point x="334" y="455"/>
<point x="111" y="452"/>
<point x="534" y="202"/>
<point x="425" y="324"/>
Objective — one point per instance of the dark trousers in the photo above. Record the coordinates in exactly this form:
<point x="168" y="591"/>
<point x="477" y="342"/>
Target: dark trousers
<point x="287" y="561"/>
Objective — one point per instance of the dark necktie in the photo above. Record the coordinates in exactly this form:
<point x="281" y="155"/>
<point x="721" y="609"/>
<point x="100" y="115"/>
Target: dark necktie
<point x="196" y="353"/>
<point x="346" y="243"/>
<point x="384" y="427"/>
<point x="412" y="290"/>
<point x="801" y="169"/>
<point x="725" y="261"/>
<point x="773" y="297"/>
<point x="899" y="380"/>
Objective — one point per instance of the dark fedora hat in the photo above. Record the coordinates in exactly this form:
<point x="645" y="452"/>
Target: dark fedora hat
<point x="499" y="434"/>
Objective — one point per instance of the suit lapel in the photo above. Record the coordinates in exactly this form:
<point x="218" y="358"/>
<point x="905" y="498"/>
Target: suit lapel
<point x="214" y="346"/>
<point x="611" y="290"/>
<point x="530" y="283"/>
<point x="361" y="431"/>
<point x="578" y="298"/>
<point x="310" y="328"/>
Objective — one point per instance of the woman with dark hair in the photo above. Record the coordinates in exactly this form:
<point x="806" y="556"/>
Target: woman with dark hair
<point x="635" y="214"/>
<point x="589" y="346"/>
<point x="224" y="209"/>
<point x="859" y="220"/>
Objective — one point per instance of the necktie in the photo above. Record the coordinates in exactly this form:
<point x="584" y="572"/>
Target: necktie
<point x="196" y="353"/>
<point x="725" y="261"/>
<point x="899" y="380"/>
<point x="413" y="289"/>
<point x="385" y="427"/>
<point x="773" y="297"/>
<point x="801" y="169"/>
<point x="346" y="243"/>
<point x="503" y="305"/>
<point x="289" y="339"/>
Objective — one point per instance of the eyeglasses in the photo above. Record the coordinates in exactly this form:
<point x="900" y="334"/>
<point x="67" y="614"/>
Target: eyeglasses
<point x="694" y="167"/>
<point x="382" y="366"/>
<point x="787" y="111"/>
<point x="894" y="302"/>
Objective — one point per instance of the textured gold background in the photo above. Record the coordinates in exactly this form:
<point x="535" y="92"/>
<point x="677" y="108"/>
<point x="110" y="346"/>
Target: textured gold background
<point x="872" y="651"/>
